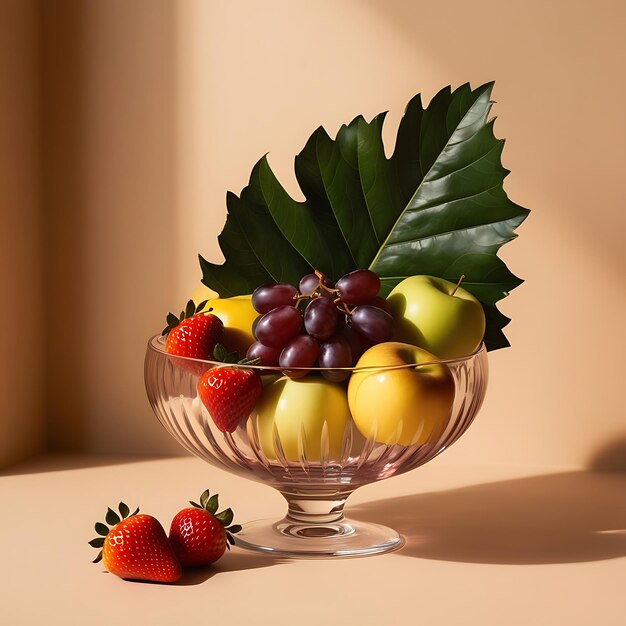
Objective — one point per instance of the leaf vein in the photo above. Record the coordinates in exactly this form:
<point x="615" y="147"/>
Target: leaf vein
<point x="452" y="231"/>
<point x="480" y="158"/>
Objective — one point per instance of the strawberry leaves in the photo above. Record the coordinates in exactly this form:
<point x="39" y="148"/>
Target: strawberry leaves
<point x="190" y="310"/>
<point x="112" y="518"/>
<point x="436" y="206"/>
<point x="210" y="504"/>
<point x="221" y="355"/>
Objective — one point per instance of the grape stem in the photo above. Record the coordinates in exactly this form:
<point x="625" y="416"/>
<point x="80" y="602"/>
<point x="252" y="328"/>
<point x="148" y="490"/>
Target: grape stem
<point x="321" y="284"/>
<point x="458" y="284"/>
<point x="343" y="307"/>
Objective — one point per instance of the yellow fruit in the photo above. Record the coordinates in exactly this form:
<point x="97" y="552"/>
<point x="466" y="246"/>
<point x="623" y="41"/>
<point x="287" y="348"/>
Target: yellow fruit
<point x="236" y="314"/>
<point x="309" y="409"/>
<point x="202" y="292"/>
<point x="406" y="406"/>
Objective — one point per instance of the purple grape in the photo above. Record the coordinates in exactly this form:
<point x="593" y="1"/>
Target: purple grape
<point x="299" y="352"/>
<point x="341" y="320"/>
<point x="380" y="303"/>
<point x="358" y="287"/>
<point x="255" y="324"/>
<point x="268" y="297"/>
<point x="277" y="327"/>
<point x="372" y="323"/>
<point x="320" y="318"/>
<point x="308" y="284"/>
<point x="354" y="341"/>
<point x="335" y="352"/>
<point x="269" y="356"/>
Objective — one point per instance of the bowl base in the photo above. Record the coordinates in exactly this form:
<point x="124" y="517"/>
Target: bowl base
<point x="344" y="538"/>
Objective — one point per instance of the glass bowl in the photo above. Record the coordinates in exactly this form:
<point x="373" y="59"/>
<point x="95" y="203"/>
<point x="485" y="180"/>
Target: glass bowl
<point x="315" y="469"/>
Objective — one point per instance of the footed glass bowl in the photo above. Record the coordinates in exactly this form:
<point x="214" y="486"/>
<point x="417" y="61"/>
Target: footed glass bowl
<point x="301" y="439"/>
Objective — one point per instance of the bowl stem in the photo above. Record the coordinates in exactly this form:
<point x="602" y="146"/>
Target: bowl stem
<point x="315" y="509"/>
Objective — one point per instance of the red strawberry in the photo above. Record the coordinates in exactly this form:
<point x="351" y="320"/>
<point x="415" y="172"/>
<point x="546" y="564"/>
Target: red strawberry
<point x="198" y="535"/>
<point x="136" y="547"/>
<point x="229" y="394"/>
<point x="193" y="335"/>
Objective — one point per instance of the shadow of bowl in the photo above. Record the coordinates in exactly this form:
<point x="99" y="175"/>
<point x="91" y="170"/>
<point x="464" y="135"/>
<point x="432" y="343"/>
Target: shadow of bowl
<point x="234" y="561"/>
<point x="557" y="518"/>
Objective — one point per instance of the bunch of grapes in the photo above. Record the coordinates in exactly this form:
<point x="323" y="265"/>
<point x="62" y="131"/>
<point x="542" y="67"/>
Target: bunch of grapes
<point x="319" y="324"/>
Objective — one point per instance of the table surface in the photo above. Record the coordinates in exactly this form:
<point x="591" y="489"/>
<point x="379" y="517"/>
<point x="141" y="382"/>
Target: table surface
<point x="485" y="544"/>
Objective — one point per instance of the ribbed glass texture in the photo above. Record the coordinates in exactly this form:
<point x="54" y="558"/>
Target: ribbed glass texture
<point x="315" y="486"/>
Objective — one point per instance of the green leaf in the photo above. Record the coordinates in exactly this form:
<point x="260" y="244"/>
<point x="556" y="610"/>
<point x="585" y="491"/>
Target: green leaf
<point x="172" y="321"/>
<point x="134" y="512"/>
<point x="256" y="361"/>
<point x="220" y="353"/>
<point x="190" y="309"/>
<point x="112" y="517"/>
<point x="195" y="504"/>
<point x="204" y="498"/>
<point x="225" y="517"/>
<point x="123" y="509"/>
<point x="212" y="504"/>
<point x="98" y="542"/>
<point x="230" y="540"/>
<point x="98" y="558"/>
<point x="101" y="529"/>
<point x="436" y="206"/>
<point x="201" y="306"/>
<point x="235" y="528"/>
<point x="223" y="356"/>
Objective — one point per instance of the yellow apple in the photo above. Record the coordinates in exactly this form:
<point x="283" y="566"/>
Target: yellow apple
<point x="302" y="409"/>
<point x="407" y="405"/>
<point x="237" y="315"/>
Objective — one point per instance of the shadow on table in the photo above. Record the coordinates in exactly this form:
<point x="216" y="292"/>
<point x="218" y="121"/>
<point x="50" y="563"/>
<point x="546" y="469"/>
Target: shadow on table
<point x="557" y="518"/>
<point x="610" y="457"/>
<point x="64" y="462"/>
<point x="234" y="561"/>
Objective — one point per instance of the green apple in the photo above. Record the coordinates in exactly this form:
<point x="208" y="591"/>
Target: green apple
<point x="302" y="411"/>
<point x="395" y="402"/>
<point x="237" y="315"/>
<point x="436" y="315"/>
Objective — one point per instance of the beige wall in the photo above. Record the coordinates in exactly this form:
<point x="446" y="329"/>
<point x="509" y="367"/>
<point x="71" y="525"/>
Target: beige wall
<point x="154" y="109"/>
<point x="109" y="205"/>
<point x="269" y="73"/>
<point x="21" y="305"/>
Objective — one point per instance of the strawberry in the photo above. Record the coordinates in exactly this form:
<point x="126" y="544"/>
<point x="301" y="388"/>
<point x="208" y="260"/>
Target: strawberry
<point x="198" y="535"/>
<point x="229" y="394"/>
<point x="136" y="547"/>
<point x="193" y="335"/>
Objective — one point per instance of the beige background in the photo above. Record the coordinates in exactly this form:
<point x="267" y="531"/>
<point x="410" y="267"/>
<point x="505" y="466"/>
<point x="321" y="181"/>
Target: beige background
<point x="126" y="122"/>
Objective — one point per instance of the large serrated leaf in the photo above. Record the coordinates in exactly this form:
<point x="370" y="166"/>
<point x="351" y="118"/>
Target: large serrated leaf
<point x="436" y="206"/>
